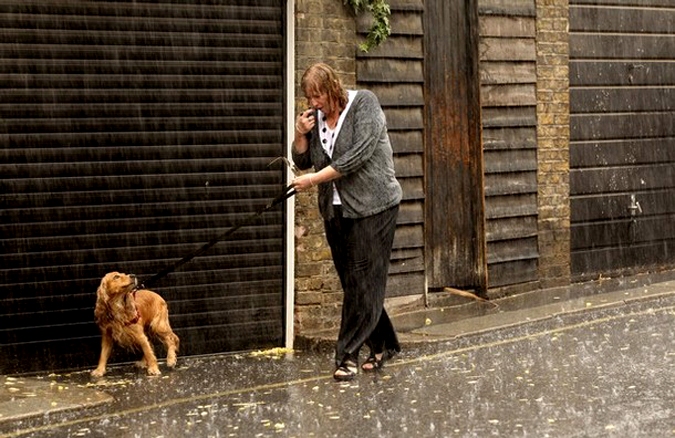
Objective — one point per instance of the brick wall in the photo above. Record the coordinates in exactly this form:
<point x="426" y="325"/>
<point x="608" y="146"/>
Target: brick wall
<point x="553" y="136"/>
<point x="325" y="30"/>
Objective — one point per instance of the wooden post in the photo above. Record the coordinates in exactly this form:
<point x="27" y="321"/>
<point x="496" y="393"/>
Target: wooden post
<point x="455" y="228"/>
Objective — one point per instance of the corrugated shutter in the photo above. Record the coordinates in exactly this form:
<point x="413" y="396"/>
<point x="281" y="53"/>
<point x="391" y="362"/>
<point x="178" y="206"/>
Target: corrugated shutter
<point x="131" y="134"/>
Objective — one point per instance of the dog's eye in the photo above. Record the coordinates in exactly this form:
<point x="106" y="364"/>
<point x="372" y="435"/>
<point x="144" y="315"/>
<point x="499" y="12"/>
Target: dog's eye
<point x="115" y="277"/>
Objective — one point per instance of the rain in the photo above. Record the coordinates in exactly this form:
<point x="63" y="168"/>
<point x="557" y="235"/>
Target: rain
<point x="151" y="137"/>
<point x="601" y="371"/>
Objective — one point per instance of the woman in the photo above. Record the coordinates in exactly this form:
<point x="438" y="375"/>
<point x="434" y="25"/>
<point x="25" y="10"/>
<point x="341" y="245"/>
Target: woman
<point x="344" y="137"/>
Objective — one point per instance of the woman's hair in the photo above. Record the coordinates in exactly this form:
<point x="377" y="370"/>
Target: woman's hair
<point x="320" y="78"/>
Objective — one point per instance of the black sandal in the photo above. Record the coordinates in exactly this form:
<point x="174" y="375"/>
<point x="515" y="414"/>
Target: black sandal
<point x="373" y="363"/>
<point x="345" y="372"/>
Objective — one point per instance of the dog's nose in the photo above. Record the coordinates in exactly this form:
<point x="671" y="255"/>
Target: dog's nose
<point x="132" y="276"/>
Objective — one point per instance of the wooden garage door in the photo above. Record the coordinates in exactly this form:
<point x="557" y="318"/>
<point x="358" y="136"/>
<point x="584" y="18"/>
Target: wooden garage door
<point x="131" y="134"/>
<point x="622" y="148"/>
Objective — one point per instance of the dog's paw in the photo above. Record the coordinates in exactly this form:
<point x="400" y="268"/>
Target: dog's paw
<point x="98" y="373"/>
<point x="154" y="371"/>
<point x="171" y="361"/>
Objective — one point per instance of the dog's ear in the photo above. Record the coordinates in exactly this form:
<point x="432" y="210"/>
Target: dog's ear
<point x="102" y="291"/>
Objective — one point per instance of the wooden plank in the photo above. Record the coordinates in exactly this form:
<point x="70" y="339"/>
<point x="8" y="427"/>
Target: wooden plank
<point x="408" y="165"/>
<point x="399" y="47"/>
<point x="509" y="138"/>
<point x="614" y="100"/>
<point x="507" y="7"/>
<point x="509" y="117"/>
<point x="406" y="142"/>
<point x="406" y="5"/>
<point x="508" y="95"/>
<point x="505" y="161"/>
<point x="500" y="184"/>
<point x="403" y="255"/>
<point x="510" y="273"/>
<point x="410" y="213"/>
<point x="624" y="19"/>
<point x="413" y="189"/>
<point x="511" y="206"/>
<point x="409" y="236"/>
<point x="507" y="26"/>
<point x="402" y="23"/>
<point x="397" y="94"/>
<point x="407" y="260"/>
<point x="404" y="118"/>
<point x="615" y="72"/>
<point x="511" y="250"/>
<point x="492" y="73"/>
<point x="641" y="47"/>
<point x="512" y="228"/>
<point x="507" y="49"/>
<point x="411" y="283"/>
<point x="388" y="70"/>
<point x="621" y="126"/>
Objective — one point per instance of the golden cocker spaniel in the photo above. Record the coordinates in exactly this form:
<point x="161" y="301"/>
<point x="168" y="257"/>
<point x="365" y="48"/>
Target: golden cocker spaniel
<point x="126" y="316"/>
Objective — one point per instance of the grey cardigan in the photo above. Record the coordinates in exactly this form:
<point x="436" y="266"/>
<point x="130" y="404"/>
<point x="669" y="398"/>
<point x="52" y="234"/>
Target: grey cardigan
<point x="364" y="157"/>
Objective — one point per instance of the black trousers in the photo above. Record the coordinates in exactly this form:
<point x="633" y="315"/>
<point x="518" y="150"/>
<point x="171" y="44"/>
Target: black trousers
<point x="361" y="249"/>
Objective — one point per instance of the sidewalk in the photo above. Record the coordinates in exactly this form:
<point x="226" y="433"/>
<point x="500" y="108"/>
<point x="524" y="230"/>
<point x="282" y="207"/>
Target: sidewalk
<point x="40" y="405"/>
<point x="25" y="397"/>
<point x="448" y="318"/>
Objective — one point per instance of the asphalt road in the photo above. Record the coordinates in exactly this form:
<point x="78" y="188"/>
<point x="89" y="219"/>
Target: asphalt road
<point x="601" y="371"/>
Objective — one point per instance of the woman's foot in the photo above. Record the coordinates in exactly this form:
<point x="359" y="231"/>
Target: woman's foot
<point x="345" y="372"/>
<point x="376" y="360"/>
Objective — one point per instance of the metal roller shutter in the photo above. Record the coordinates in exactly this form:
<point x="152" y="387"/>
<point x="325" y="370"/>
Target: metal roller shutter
<point x="131" y="134"/>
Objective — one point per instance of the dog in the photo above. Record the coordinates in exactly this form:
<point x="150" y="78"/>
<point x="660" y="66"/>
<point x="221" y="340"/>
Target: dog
<point x="126" y="316"/>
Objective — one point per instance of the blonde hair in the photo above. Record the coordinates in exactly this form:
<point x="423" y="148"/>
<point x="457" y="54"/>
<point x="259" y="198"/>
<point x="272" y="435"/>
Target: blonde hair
<point x="320" y="78"/>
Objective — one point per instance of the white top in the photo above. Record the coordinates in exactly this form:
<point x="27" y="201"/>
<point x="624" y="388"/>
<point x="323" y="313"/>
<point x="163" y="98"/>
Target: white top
<point x="329" y="135"/>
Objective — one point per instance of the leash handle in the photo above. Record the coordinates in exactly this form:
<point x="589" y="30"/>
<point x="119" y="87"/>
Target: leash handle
<point x="289" y="191"/>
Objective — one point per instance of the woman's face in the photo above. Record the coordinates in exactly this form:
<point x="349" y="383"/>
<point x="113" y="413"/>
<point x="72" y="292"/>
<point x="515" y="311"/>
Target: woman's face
<point x="320" y="100"/>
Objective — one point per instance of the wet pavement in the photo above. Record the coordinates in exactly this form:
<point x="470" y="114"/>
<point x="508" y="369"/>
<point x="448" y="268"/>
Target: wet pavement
<point x="595" y="366"/>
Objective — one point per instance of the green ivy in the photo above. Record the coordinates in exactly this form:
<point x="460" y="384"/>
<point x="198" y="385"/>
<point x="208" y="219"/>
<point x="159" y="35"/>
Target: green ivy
<point x="380" y="29"/>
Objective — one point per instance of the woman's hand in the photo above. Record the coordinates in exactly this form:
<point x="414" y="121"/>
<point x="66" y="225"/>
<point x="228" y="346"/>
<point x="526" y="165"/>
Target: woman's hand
<point x="304" y="182"/>
<point x="304" y="122"/>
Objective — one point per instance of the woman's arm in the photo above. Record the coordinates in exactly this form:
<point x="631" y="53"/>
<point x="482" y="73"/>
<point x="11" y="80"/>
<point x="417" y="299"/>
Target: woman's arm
<point x="303" y="125"/>
<point x="309" y="180"/>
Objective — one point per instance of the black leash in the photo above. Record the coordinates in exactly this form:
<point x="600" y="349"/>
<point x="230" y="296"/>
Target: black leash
<point x="287" y="193"/>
